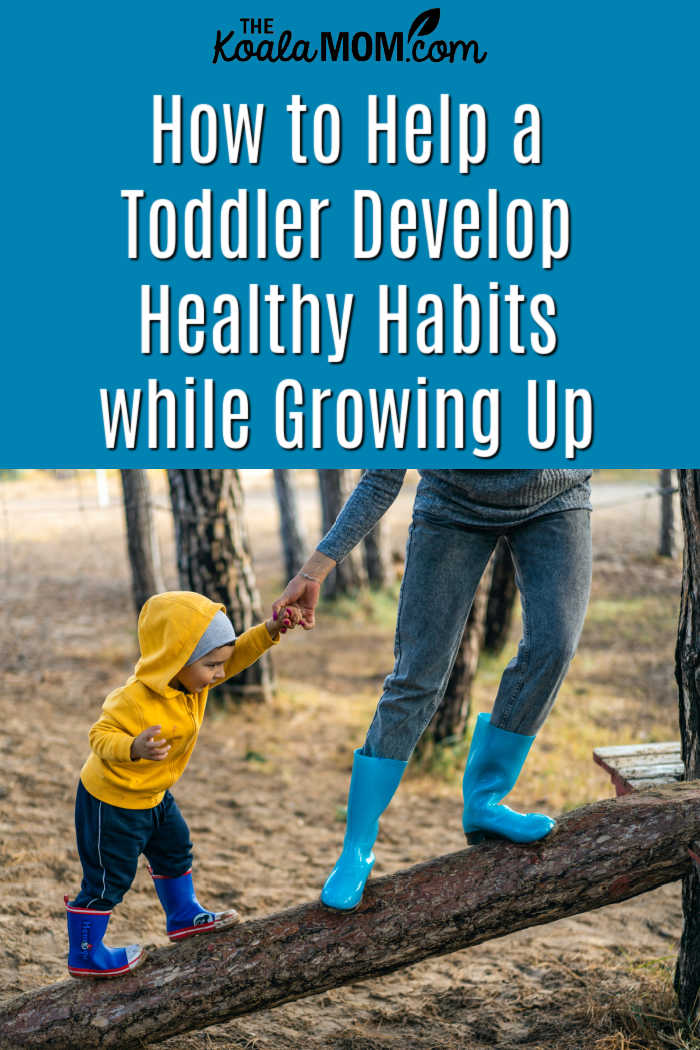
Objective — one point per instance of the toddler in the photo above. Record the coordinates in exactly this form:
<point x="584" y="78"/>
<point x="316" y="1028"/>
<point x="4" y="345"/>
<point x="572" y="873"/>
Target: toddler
<point x="140" y="747"/>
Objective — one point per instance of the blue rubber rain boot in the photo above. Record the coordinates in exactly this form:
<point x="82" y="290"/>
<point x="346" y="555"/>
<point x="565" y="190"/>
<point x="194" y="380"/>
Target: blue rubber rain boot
<point x="184" y="915"/>
<point x="495" y="760"/>
<point x="373" y="783"/>
<point x="87" y="955"/>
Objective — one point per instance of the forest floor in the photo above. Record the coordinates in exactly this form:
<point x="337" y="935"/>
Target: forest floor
<point x="265" y="790"/>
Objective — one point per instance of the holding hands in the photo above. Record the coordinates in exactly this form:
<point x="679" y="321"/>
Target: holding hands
<point x="286" y="619"/>
<point x="303" y="590"/>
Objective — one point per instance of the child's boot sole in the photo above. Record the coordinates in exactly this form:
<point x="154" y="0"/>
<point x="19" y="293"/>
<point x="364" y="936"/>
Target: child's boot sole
<point x="107" y="974"/>
<point x="229" y="918"/>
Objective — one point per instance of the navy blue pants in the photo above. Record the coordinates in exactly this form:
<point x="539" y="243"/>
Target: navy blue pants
<point x="111" y="840"/>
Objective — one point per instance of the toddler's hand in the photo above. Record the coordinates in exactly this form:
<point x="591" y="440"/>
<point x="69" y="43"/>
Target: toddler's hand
<point x="145" y="746"/>
<point x="287" y="619"/>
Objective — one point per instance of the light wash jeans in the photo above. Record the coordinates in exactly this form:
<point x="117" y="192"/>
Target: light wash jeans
<point x="444" y="563"/>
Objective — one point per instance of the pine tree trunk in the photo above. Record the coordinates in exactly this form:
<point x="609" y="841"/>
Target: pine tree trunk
<point x="348" y="577"/>
<point x="501" y="600"/>
<point x="294" y="545"/>
<point x="449" y="722"/>
<point x="688" y="678"/>
<point x="373" y="548"/>
<point x="142" y="542"/>
<point x="213" y="558"/>
<point x="666" y="532"/>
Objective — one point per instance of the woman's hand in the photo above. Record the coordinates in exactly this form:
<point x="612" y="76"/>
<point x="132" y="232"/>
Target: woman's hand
<point x="303" y="589"/>
<point x="302" y="593"/>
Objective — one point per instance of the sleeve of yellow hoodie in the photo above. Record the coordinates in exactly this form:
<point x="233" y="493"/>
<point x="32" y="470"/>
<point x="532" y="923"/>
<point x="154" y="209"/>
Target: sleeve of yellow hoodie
<point x="249" y="647"/>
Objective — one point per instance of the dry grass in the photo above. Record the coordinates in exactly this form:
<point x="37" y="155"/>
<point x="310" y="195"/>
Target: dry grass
<point x="649" y="1019"/>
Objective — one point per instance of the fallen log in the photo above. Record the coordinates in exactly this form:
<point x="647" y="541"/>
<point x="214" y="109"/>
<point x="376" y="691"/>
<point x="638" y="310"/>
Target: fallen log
<point x="597" y="855"/>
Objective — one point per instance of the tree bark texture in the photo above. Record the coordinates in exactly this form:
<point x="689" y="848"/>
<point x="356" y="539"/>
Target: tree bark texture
<point x="501" y="601"/>
<point x="688" y="677"/>
<point x="334" y="488"/>
<point x="667" y="546"/>
<point x="374" y="551"/>
<point x="600" y="854"/>
<point x="294" y="545"/>
<point x="213" y="558"/>
<point x="142" y="542"/>
<point x="449" y="722"/>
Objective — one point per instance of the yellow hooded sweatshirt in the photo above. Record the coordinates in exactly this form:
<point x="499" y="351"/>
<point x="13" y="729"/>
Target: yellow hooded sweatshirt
<point x="170" y="626"/>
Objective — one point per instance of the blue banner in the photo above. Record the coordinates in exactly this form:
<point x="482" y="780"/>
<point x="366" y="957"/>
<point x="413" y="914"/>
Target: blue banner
<point x="398" y="236"/>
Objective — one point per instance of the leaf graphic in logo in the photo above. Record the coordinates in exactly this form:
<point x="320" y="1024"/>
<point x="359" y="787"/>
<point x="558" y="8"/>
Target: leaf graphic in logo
<point x="425" y="22"/>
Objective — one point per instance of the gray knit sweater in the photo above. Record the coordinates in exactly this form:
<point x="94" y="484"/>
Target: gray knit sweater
<point x="494" y="498"/>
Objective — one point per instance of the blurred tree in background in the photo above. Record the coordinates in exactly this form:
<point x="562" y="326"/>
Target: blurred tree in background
<point x="142" y="542"/>
<point x="449" y="723"/>
<point x="213" y="558"/>
<point x="501" y="600"/>
<point x="349" y="576"/>
<point x="667" y="545"/>
<point x="294" y="545"/>
<point x="375" y="559"/>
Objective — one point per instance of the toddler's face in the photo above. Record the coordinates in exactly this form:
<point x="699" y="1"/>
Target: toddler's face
<point x="204" y="672"/>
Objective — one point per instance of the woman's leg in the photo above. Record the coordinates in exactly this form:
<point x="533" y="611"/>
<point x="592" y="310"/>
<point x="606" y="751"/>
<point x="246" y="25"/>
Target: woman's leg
<point x="552" y="558"/>
<point x="444" y="564"/>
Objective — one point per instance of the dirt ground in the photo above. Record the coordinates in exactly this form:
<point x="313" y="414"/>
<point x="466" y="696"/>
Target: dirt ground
<point x="265" y="789"/>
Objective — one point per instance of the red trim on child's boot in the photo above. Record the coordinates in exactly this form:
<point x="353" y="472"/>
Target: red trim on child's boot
<point x="154" y="876"/>
<point x="75" y="972"/>
<point x="220" y="920"/>
<point x="85" y="911"/>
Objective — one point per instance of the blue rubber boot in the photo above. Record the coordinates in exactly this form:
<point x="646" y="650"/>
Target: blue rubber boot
<point x="373" y="783"/>
<point x="184" y="915"/>
<point x="87" y="955"/>
<point x="495" y="760"/>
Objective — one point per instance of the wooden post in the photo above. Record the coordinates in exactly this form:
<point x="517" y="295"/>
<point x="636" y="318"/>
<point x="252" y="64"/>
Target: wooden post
<point x="600" y="854"/>
<point x="102" y="488"/>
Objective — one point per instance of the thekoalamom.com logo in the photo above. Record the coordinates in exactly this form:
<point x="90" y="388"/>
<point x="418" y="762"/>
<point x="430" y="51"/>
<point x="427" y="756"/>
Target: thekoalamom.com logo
<point x="262" y="44"/>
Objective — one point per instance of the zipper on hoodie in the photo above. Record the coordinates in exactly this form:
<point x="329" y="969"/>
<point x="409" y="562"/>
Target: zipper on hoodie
<point x="190" y="711"/>
<point x="189" y="705"/>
